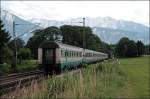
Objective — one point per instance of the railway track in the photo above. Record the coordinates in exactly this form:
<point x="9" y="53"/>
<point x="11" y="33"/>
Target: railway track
<point x="11" y="82"/>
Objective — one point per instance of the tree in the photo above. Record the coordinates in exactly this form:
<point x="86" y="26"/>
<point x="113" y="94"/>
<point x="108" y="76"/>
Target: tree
<point x="106" y="48"/>
<point x="72" y="35"/>
<point x="122" y="47"/>
<point x="140" y="48"/>
<point x="47" y="34"/>
<point x="147" y="49"/>
<point x="24" y="53"/>
<point x="75" y="35"/>
<point x="126" y="48"/>
<point x="4" y="39"/>
<point x="131" y="49"/>
<point x="19" y="43"/>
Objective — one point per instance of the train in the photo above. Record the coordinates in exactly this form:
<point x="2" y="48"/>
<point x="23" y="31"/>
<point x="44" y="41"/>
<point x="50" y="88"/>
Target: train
<point x="55" y="57"/>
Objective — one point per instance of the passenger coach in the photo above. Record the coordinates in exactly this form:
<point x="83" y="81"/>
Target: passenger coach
<point x="54" y="56"/>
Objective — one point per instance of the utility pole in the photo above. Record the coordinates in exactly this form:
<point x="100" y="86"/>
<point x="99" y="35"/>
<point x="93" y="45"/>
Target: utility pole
<point x="83" y="42"/>
<point x="83" y="39"/>
<point x="15" y="45"/>
<point x="83" y="33"/>
<point x="14" y="38"/>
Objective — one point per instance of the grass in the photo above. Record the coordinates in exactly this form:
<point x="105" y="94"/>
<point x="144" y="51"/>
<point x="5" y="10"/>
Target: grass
<point x="126" y="78"/>
<point x="25" y="65"/>
<point x="96" y="81"/>
<point x="137" y="70"/>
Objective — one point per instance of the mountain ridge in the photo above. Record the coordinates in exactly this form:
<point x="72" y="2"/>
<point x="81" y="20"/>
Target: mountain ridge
<point x="104" y="27"/>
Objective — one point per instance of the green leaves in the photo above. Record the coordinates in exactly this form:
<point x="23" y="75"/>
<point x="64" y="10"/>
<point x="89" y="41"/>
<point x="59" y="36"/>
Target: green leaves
<point x="128" y="48"/>
<point x="4" y="36"/>
<point x="4" y="39"/>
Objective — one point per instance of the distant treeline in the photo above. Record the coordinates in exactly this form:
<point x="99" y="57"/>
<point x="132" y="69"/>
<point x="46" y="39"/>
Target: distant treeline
<point x="130" y="48"/>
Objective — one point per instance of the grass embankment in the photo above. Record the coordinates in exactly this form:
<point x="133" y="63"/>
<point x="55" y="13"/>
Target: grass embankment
<point x="96" y="81"/>
<point x="126" y="78"/>
<point x="137" y="70"/>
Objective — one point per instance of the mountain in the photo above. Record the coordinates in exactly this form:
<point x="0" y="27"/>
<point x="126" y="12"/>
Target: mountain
<point x="112" y="36"/>
<point x="23" y="27"/>
<point x="108" y="29"/>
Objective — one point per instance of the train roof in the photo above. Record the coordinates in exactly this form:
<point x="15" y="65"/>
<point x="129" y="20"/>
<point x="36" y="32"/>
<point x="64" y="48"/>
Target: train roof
<point x="50" y="44"/>
<point x="87" y="50"/>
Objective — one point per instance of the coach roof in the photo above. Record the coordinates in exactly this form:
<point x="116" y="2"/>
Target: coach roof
<point x="51" y="44"/>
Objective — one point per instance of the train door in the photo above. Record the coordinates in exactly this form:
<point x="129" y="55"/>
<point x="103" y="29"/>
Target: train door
<point x="49" y="56"/>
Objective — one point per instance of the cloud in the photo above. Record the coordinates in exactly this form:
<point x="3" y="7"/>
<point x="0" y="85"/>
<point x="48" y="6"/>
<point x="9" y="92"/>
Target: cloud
<point x="137" y="11"/>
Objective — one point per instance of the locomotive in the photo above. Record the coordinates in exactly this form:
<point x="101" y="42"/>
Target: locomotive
<point x="56" y="57"/>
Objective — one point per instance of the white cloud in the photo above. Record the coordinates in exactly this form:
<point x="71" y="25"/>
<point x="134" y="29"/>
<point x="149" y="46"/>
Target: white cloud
<point x="137" y="11"/>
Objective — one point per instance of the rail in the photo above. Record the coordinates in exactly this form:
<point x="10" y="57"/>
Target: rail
<point x="10" y="82"/>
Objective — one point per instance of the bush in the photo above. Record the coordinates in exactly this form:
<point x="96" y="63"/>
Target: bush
<point x="4" y="69"/>
<point x="24" y="53"/>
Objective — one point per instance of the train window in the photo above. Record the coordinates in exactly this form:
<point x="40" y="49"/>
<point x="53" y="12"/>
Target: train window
<point x="61" y="53"/>
<point x="74" y="54"/>
<point x="71" y="53"/>
<point x="66" y="53"/>
<point x="79" y="54"/>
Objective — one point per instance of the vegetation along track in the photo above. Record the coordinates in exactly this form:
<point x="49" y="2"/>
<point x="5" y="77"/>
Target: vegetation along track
<point x="10" y="82"/>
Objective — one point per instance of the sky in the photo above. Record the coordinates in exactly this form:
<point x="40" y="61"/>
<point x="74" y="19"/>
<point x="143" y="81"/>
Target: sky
<point x="137" y="11"/>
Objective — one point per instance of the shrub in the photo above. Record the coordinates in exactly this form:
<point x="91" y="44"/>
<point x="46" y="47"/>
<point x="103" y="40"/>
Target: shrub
<point x="24" y="53"/>
<point x="4" y="69"/>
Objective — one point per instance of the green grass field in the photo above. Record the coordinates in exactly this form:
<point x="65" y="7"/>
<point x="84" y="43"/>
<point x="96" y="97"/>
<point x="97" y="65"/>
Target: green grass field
<point x="137" y="70"/>
<point x="126" y="78"/>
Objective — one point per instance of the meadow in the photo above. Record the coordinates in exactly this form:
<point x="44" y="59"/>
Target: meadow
<point x="123" y="78"/>
<point x="137" y="70"/>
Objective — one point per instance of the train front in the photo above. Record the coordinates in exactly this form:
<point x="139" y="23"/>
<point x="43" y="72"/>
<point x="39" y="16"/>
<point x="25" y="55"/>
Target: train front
<point x="47" y="57"/>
